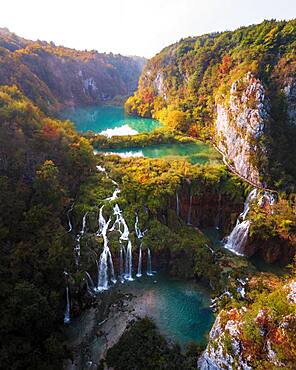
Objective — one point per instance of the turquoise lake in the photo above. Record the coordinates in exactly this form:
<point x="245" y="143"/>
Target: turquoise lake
<point x="108" y="120"/>
<point x="192" y="152"/>
<point x="180" y="309"/>
<point x="111" y="121"/>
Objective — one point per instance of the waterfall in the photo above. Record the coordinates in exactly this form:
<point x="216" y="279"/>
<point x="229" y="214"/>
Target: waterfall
<point x="67" y="312"/>
<point x="139" y="273"/>
<point x="177" y="204"/>
<point x="102" y="222"/>
<point x="129" y="262"/>
<point x="149" y="265"/>
<point x="101" y="169"/>
<point x="139" y="233"/>
<point x="113" y="279"/>
<point x="238" y="238"/>
<point x="90" y="283"/>
<point x="105" y="256"/>
<point x="121" y="263"/>
<point x="69" y="220"/>
<point x="189" y="210"/>
<point x="250" y="198"/>
<point x="78" y="238"/>
<point x="114" y="195"/>
<point x="120" y="224"/>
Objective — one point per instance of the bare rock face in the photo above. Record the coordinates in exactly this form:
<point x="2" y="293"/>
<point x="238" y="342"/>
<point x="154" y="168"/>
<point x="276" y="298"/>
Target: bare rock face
<point x="240" y="125"/>
<point x="216" y="356"/>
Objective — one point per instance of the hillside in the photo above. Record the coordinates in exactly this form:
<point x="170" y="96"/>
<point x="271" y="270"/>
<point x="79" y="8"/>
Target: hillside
<point x="236" y="89"/>
<point x="43" y="71"/>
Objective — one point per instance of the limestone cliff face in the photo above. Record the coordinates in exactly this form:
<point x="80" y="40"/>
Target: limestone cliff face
<point x="241" y="123"/>
<point x="230" y="347"/>
<point x="216" y="355"/>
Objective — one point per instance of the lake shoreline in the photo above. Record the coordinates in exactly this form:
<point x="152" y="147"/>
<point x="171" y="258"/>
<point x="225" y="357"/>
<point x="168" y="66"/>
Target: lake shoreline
<point x="95" y="334"/>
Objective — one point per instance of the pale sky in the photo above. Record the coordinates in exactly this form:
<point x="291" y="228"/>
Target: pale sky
<point x="133" y="27"/>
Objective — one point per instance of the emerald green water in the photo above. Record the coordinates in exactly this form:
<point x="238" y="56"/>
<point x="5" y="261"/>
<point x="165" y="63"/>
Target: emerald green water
<point x="111" y="118"/>
<point x="180" y="309"/>
<point x="197" y="152"/>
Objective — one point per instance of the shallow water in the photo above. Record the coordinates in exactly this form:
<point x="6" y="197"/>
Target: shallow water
<point x="197" y="152"/>
<point x="108" y="120"/>
<point x="179" y="308"/>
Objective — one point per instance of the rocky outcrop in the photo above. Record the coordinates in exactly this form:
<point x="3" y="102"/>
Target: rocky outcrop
<point x="230" y="346"/>
<point x="241" y="123"/>
<point x="217" y="355"/>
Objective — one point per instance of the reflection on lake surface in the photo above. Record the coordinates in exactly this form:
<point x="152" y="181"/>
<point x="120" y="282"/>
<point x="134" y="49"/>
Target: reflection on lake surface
<point x="108" y="120"/>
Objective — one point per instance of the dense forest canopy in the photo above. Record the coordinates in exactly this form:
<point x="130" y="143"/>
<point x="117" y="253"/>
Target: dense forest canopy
<point x="42" y="71"/>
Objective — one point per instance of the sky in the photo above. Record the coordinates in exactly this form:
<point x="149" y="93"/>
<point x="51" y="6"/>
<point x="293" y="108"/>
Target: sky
<point x="133" y="27"/>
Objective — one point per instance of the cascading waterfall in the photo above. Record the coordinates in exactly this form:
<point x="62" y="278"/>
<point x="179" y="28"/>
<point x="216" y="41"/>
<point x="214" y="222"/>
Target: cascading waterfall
<point x="90" y="283"/>
<point x="139" y="273"/>
<point x="105" y="257"/>
<point x="121" y="263"/>
<point x="177" y="204"/>
<point x="78" y="238"/>
<point x="114" y="195"/>
<point x="140" y="235"/>
<point x="129" y="262"/>
<point x="68" y="308"/>
<point x="250" y="198"/>
<point x="105" y="267"/>
<point x="121" y="225"/>
<point x="69" y="220"/>
<point x="237" y="239"/>
<point x="113" y="279"/>
<point x="67" y="312"/>
<point x="149" y="264"/>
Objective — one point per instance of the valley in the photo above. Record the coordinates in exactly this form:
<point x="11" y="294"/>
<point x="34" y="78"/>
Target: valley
<point x="126" y="242"/>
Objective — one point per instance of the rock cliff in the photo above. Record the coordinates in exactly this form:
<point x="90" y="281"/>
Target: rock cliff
<point x="252" y="336"/>
<point x="236" y="89"/>
<point x="240" y="125"/>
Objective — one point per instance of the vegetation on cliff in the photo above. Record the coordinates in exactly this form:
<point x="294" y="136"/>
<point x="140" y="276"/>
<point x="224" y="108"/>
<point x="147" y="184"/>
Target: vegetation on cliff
<point x="183" y="84"/>
<point x="259" y="331"/>
<point x="42" y="71"/>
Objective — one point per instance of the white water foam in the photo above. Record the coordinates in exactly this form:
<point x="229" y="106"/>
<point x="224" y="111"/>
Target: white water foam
<point x="119" y="131"/>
